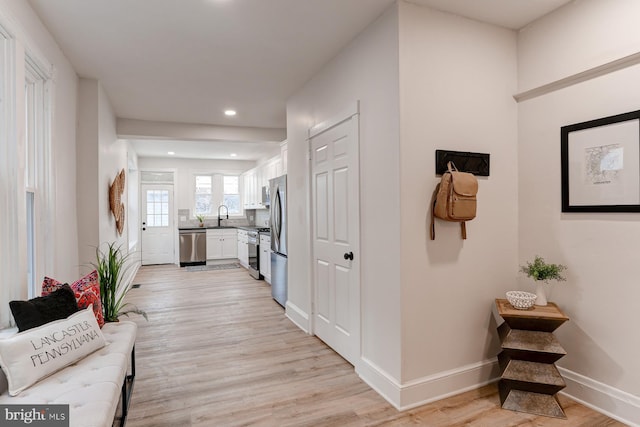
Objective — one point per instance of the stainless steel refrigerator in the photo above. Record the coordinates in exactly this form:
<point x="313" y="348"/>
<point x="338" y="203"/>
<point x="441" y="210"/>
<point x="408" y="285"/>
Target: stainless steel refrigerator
<point x="278" y="195"/>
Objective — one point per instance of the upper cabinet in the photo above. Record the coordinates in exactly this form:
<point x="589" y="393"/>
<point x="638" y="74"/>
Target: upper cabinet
<point x="250" y="189"/>
<point x="258" y="177"/>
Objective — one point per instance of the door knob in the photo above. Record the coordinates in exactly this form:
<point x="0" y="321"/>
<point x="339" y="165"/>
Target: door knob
<point x="348" y="255"/>
<point x="144" y="228"/>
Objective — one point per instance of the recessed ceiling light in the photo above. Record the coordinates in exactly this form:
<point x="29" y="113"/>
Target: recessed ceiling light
<point x="233" y="155"/>
<point x="171" y="153"/>
<point x="230" y="112"/>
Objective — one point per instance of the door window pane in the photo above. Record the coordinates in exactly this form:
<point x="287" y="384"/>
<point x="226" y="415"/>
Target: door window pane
<point x="157" y="208"/>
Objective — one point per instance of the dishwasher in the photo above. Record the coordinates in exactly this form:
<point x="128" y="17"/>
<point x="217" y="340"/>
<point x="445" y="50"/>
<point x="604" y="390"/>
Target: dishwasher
<point x="193" y="247"/>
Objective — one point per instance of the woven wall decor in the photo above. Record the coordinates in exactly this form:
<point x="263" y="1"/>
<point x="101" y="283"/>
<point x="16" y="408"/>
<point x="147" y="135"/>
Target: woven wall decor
<point x="116" y="189"/>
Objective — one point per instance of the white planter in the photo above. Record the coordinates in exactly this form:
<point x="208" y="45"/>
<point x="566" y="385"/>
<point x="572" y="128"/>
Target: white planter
<point x="541" y="293"/>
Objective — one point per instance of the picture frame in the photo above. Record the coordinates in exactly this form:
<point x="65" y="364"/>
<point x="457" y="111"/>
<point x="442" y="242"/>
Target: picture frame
<point x="601" y="164"/>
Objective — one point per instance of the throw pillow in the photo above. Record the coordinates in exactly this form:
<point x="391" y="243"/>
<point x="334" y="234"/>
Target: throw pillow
<point x="38" y="311"/>
<point x="29" y="356"/>
<point x="86" y="289"/>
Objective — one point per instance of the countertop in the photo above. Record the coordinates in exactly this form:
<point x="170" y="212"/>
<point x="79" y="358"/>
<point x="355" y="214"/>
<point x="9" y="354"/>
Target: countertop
<point x="215" y="227"/>
<point x="212" y="227"/>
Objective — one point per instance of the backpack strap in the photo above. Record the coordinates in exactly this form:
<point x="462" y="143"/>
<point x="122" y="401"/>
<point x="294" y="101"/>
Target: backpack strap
<point x="452" y="167"/>
<point x="463" y="229"/>
<point x="433" y="207"/>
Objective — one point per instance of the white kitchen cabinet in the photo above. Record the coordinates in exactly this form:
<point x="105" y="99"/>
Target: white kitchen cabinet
<point x="222" y="243"/>
<point x="256" y="178"/>
<point x="250" y="193"/>
<point x="265" y="257"/>
<point x="243" y="249"/>
<point x="269" y="170"/>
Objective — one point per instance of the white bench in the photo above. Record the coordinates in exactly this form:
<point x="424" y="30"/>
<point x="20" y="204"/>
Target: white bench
<point x="93" y="386"/>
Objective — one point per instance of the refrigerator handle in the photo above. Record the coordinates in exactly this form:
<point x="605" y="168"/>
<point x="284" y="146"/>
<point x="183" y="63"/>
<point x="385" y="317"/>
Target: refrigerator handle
<point x="277" y="216"/>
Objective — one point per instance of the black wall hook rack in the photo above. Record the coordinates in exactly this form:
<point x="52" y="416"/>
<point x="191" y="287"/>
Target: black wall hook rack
<point x="475" y="163"/>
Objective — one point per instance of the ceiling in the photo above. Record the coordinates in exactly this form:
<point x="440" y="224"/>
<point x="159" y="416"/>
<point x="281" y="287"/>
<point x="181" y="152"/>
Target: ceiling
<point x="187" y="61"/>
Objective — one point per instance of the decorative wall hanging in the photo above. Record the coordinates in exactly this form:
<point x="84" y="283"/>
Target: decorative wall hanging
<point x="601" y="164"/>
<point x="475" y="163"/>
<point x="116" y="189"/>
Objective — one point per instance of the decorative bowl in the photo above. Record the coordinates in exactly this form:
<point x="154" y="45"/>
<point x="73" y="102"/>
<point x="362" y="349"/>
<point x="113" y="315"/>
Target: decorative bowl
<point x="521" y="300"/>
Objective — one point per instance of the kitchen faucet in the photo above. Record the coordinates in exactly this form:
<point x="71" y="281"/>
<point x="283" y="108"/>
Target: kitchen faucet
<point x="219" y="218"/>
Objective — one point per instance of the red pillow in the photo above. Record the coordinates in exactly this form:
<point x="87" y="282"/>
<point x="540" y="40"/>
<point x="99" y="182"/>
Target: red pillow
<point x="86" y="290"/>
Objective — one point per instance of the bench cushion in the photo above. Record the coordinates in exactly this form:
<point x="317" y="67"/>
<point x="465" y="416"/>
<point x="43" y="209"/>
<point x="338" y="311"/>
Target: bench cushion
<point x="91" y="387"/>
<point x="37" y="353"/>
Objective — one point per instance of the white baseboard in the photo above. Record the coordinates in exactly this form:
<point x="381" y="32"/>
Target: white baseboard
<point x="427" y="389"/>
<point x="448" y="383"/>
<point x="379" y="380"/>
<point x="298" y="316"/>
<point x="612" y="402"/>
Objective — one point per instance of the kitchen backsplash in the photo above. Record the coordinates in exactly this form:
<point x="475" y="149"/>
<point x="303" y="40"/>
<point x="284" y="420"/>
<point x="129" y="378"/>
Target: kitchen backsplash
<point x="258" y="217"/>
<point x="262" y="217"/>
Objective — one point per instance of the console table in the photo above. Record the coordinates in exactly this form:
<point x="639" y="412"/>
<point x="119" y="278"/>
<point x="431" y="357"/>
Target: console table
<point x="529" y="378"/>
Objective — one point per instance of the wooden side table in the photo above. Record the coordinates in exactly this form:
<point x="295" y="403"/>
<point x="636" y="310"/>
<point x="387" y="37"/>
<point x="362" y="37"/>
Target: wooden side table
<point x="530" y="379"/>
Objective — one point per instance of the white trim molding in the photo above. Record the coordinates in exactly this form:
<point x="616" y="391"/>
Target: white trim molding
<point x="431" y="388"/>
<point x="592" y="73"/>
<point x="350" y="111"/>
<point x="382" y="382"/>
<point x="298" y="316"/>
<point x="612" y="402"/>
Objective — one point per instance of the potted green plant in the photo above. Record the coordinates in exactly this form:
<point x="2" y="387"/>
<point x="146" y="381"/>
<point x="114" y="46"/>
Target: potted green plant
<point x="542" y="273"/>
<point x="112" y="266"/>
<point x="200" y="219"/>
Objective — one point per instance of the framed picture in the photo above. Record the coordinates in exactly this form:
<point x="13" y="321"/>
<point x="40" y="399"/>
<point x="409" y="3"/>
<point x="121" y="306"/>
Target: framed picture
<point x="601" y="164"/>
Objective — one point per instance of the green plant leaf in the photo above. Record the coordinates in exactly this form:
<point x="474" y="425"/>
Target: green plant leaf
<point x="113" y="266"/>
<point x="540" y="270"/>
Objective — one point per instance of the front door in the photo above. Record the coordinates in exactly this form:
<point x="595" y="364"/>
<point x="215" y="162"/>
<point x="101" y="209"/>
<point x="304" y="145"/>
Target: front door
<point x="335" y="234"/>
<point x="158" y="230"/>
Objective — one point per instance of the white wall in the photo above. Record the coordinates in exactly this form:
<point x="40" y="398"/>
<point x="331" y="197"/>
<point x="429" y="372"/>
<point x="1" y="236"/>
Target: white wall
<point x="600" y="249"/>
<point x="457" y="77"/>
<point x="112" y="155"/>
<point x="561" y="45"/>
<point x="366" y="70"/>
<point x="425" y="80"/>
<point x="33" y="37"/>
<point x="100" y="157"/>
<point x="87" y="162"/>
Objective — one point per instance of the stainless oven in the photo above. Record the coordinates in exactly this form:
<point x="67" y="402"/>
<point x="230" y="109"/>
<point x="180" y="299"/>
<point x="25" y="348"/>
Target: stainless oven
<point x="253" y="244"/>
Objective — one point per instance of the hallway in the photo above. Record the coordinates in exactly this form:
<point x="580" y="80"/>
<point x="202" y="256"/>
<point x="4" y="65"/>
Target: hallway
<point x="218" y="351"/>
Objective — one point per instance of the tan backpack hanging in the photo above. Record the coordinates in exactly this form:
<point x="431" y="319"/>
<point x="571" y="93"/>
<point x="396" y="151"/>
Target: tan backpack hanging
<point x="454" y="199"/>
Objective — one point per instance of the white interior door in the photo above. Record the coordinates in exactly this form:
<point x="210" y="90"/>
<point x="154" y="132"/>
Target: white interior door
<point x="158" y="230"/>
<point x="335" y="236"/>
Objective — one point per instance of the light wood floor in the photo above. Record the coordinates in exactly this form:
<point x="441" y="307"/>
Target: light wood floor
<point x="218" y="351"/>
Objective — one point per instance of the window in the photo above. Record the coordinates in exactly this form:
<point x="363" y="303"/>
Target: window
<point x="37" y="178"/>
<point x="30" y="102"/>
<point x="204" y="195"/>
<point x="157" y="208"/>
<point x="216" y="189"/>
<point x="231" y="197"/>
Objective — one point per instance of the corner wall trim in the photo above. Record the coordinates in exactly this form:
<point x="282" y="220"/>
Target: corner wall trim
<point x="592" y="73"/>
<point x="298" y="316"/>
<point x="612" y="402"/>
<point x="379" y="380"/>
